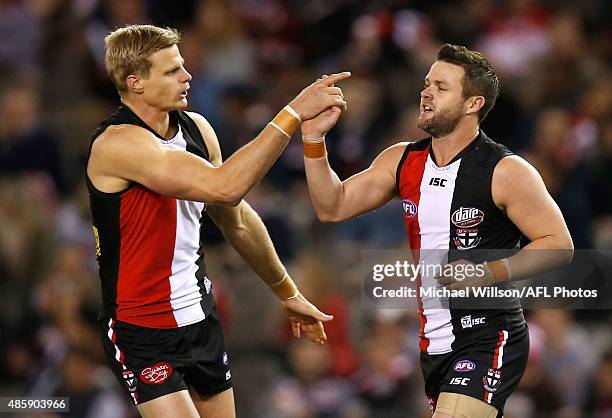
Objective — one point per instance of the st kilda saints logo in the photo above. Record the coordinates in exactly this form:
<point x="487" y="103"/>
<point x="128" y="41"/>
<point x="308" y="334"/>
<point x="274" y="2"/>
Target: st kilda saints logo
<point x="466" y="239"/>
<point x="492" y="380"/>
<point x="156" y="374"/>
<point x="467" y="217"/>
<point x="130" y="380"/>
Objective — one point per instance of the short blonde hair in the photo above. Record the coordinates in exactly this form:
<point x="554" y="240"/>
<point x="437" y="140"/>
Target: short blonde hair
<point x="128" y="50"/>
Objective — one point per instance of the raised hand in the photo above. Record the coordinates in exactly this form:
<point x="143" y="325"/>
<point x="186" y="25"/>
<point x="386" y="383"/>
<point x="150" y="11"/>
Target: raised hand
<point x="319" y="96"/>
<point x="315" y="129"/>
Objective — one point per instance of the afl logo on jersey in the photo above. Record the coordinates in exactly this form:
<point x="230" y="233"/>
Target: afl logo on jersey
<point x="467" y="217"/>
<point x="410" y="208"/>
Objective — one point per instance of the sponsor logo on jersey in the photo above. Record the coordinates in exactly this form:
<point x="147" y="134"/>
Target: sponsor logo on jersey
<point x="225" y="360"/>
<point x="228" y="375"/>
<point x="460" y="381"/>
<point x="492" y="380"/>
<point x="462" y="366"/>
<point x="130" y="381"/>
<point x="437" y="181"/>
<point x="410" y="208"/>
<point x="468" y="322"/>
<point x="156" y="374"/>
<point x="467" y="217"/>
<point x="466" y="239"/>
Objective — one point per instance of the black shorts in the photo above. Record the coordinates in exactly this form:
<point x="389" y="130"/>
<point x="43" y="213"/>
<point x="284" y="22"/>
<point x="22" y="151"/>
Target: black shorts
<point x="488" y="369"/>
<point x="151" y="362"/>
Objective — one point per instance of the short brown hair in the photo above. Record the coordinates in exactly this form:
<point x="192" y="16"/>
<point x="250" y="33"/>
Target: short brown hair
<point x="128" y="50"/>
<point x="480" y="78"/>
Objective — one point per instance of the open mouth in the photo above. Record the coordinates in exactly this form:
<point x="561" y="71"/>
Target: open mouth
<point x="425" y="110"/>
<point x="183" y="94"/>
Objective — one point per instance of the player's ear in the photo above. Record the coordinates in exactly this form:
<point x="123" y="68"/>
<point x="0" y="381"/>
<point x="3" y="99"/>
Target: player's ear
<point x="134" y="84"/>
<point x="473" y="104"/>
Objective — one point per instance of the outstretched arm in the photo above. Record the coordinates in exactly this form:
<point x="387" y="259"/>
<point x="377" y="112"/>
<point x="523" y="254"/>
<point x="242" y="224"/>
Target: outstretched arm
<point x="124" y="154"/>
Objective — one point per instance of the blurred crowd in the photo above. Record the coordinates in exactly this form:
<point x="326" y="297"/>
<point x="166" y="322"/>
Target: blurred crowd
<point x="248" y="58"/>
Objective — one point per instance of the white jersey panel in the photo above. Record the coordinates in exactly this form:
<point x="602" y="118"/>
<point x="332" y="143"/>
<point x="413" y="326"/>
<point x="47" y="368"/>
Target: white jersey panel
<point x="437" y="189"/>
<point x="185" y="293"/>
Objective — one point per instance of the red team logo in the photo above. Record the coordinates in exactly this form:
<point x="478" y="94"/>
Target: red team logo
<point x="156" y="374"/>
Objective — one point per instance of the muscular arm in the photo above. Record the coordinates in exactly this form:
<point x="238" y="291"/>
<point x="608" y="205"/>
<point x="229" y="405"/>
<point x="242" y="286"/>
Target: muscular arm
<point x="241" y="226"/>
<point x="125" y="153"/>
<point x="244" y="230"/>
<point x="519" y="190"/>
<point x="336" y="200"/>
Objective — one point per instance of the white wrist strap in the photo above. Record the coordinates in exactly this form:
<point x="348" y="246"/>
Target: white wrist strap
<point x="293" y="112"/>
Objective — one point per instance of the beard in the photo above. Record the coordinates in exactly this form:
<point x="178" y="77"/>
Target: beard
<point x="441" y="124"/>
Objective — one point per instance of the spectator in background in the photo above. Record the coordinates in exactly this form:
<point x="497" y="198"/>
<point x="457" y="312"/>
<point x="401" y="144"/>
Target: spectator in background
<point x="600" y="390"/>
<point x="309" y="390"/>
<point x="206" y="89"/>
<point x="230" y="52"/>
<point x="20" y="31"/>
<point x="515" y="34"/>
<point x="388" y="379"/>
<point x="565" y="358"/>
<point x="537" y="396"/>
<point x="26" y="145"/>
<point x="553" y="153"/>
<point x="601" y="187"/>
<point x="67" y="300"/>
<point x="89" y="386"/>
<point x="106" y="17"/>
<point x="318" y="285"/>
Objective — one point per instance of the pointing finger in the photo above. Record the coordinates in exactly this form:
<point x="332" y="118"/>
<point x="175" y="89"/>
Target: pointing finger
<point x="334" y="78"/>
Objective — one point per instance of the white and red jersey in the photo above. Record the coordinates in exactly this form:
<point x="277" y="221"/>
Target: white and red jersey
<point x="449" y="214"/>
<point x="151" y="264"/>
